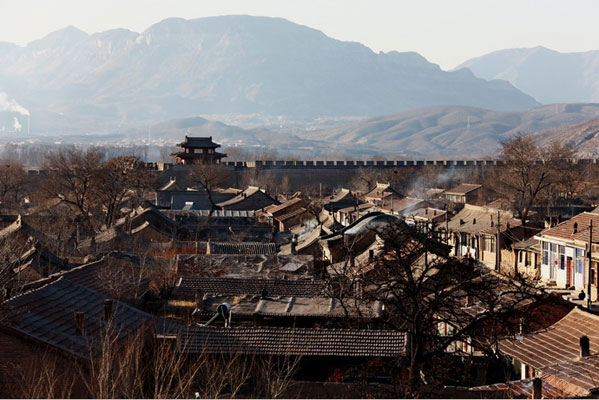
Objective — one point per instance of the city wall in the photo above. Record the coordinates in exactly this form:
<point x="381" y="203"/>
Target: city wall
<point x="299" y="175"/>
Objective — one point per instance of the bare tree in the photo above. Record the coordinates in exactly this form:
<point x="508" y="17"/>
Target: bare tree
<point x="12" y="183"/>
<point x="118" y="180"/>
<point x="71" y="175"/>
<point x="423" y="290"/>
<point x="48" y="378"/>
<point x="209" y="177"/>
<point x="276" y="374"/>
<point x="530" y="172"/>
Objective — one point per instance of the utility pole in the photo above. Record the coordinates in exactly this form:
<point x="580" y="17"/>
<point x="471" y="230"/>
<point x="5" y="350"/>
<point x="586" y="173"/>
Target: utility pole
<point x="446" y="224"/>
<point x="497" y="247"/>
<point x="590" y="268"/>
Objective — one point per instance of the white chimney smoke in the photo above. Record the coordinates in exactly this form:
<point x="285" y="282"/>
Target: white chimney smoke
<point x="11" y="105"/>
<point x="16" y="124"/>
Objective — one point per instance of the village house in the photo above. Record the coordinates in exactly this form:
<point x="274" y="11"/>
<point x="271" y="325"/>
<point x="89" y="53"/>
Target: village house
<point x="564" y="261"/>
<point x="59" y="318"/>
<point x="528" y="258"/>
<point x="346" y="216"/>
<point x="198" y="151"/>
<point x="554" y="351"/>
<point x="245" y="266"/>
<point x="465" y="193"/>
<point x="324" y="354"/>
<point x="382" y="195"/>
<point x="358" y="241"/>
<point x="284" y="217"/>
<point x="269" y="302"/>
<point x="253" y="198"/>
<point x="473" y="232"/>
<point x="405" y="206"/>
<point x="344" y="199"/>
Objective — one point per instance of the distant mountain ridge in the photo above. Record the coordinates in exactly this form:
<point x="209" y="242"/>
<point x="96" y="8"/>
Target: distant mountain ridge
<point x="450" y="131"/>
<point x="228" y="65"/>
<point x="583" y="137"/>
<point x="547" y="75"/>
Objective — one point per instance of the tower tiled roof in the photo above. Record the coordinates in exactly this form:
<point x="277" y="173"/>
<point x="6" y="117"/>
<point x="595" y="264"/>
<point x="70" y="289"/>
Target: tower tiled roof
<point x="191" y="141"/>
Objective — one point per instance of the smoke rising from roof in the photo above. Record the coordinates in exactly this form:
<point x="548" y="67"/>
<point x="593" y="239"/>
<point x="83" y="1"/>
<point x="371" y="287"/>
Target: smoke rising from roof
<point x="11" y="105"/>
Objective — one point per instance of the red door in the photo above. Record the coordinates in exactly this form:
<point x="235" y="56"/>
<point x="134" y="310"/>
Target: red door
<point x="569" y="272"/>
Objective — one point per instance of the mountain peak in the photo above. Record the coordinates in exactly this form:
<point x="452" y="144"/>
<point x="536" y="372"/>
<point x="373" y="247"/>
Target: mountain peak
<point x="69" y="35"/>
<point x="547" y="75"/>
<point x="235" y="64"/>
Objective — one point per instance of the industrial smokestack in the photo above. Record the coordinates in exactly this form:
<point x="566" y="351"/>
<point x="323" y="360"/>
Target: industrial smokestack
<point x="16" y="124"/>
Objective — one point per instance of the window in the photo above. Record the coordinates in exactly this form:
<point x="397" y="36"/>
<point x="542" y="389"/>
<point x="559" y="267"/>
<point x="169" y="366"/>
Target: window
<point x="562" y="257"/>
<point x="545" y="253"/>
<point x="489" y="244"/>
<point x="527" y="263"/>
<point x="579" y="261"/>
<point x="553" y="254"/>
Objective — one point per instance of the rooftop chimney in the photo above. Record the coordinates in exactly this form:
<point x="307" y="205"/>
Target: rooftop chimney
<point x="80" y="321"/>
<point x="585" y="346"/>
<point x="469" y="300"/>
<point x="537" y="388"/>
<point x="199" y="300"/>
<point x="473" y="221"/>
<point x="108" y="309"/>
<point x="575" y="230"/>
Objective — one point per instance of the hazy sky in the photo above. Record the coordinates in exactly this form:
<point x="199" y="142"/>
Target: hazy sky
<point x="446" y="32"/>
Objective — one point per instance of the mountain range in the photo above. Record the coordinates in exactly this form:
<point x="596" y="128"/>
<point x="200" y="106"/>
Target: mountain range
<point x="547" y="75"/>
<point x="452" y="130"/>
<point x="226" y="65"/>
<point x="583" y="137"/>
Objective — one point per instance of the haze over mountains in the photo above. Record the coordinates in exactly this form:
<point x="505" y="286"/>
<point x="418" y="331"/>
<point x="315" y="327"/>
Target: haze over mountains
<point x="433" y="132"/>
<point x="547" y="75"/>
<point x="453" y="130"/>
<point x="300" y="82"/>
<point x="228" y="65"/>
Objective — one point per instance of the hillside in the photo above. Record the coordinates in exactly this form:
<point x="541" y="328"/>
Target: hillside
<point x="583" y="137"/>
<point x="225" y="65"/>
<point x="547" y="75"/>
<point x="451" y="131"/>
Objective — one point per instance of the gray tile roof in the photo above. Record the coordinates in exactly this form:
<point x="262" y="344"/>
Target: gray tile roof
<point x="293" y="341"/>
<point x="206" y="213"/>
<point x="111" y="277"/>
<point x="46" y="314"/>
<point x="242" y="248"/>
<point x="189" y="286"/>
<point x="464" y="188"/>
